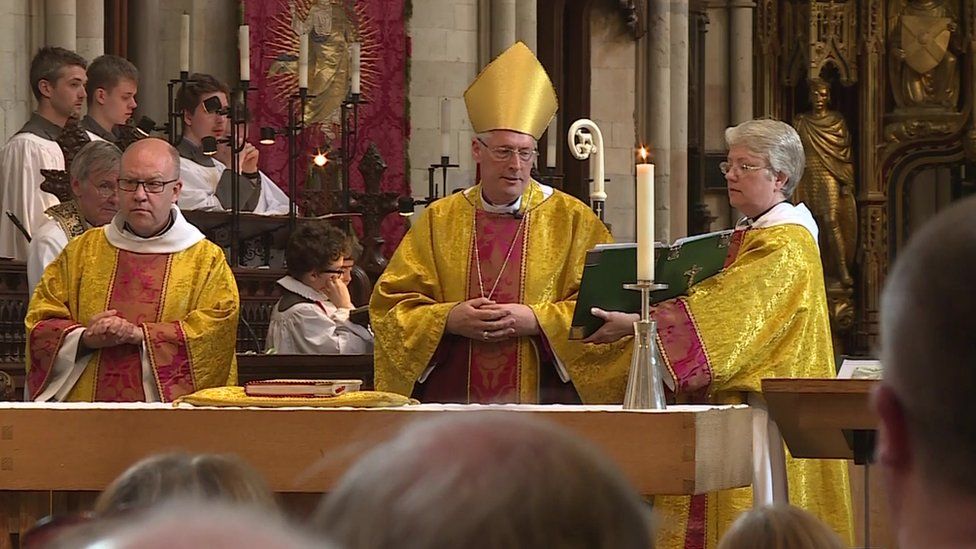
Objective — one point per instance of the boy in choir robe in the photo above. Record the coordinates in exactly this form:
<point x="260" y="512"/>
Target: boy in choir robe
<point x="57" y="78"/>
<point x="94" y="183"/>
<point x="206" y="177"/>
<point x="477" y="301"/>
<point x="113" y="82"/>
<point x="142" y="309"/>
<point x="312" y="316"/>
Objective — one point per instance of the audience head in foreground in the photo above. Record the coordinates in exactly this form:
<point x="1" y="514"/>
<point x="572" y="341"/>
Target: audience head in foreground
<point x="206" y="477"/>
<point x="488" y="481"/>
<point x="927" y="431"/>
<point x="779" y="527"/>
<point x="189" y="524"/>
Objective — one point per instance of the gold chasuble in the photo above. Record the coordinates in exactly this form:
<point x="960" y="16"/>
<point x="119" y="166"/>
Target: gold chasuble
<point x="764" y="315"/>
<point x="436" y="267"/>
<point x="177" y="287"/>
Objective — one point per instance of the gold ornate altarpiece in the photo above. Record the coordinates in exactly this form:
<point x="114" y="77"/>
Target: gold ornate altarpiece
<point x="903" y="77"/>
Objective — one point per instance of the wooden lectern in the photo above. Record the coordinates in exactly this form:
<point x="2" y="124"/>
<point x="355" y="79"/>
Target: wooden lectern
<point x="823" y="418"/>
<point x="832" y="419"/>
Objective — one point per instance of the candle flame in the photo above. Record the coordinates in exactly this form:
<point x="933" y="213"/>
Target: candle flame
<point x="643" y="153"/>
<point x="320" y="160"/>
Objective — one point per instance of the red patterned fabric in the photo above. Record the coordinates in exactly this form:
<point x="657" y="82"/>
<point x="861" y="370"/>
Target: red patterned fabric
<point x="137" y="290"/>
<point x="45" y="343"/>
<point x="734" y="245"/>
<point x="382" y="115"/>
<point x="170" y="359"/>
<point x="695" y="533"/>
<point x="681" y="346"/>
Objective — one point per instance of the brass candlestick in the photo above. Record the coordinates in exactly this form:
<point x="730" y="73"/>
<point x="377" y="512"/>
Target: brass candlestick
<point x="645" y="383"/>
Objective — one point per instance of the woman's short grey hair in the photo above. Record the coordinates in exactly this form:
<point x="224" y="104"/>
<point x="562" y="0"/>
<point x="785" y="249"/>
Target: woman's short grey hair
<point x="95" y="158"/>
<point x="777" y="142"/>
<point x="488" y="481"/>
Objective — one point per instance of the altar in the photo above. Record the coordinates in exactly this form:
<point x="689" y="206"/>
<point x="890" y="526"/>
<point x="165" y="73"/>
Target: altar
<point x="47" y="450"/>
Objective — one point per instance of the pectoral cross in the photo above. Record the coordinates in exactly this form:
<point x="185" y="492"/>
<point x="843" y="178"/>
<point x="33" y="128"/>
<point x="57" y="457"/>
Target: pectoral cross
<point x="691" y="273"/>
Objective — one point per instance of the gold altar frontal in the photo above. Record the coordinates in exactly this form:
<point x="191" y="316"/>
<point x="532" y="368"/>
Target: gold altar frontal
<point x="82" y="447"/>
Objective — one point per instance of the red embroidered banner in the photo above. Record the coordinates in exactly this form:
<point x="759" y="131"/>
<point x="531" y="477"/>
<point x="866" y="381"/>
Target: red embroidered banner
<point x="380" y="26"/>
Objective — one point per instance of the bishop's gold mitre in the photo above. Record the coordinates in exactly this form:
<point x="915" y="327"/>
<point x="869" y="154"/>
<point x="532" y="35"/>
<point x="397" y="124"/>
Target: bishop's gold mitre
<point x="512" y="93"/>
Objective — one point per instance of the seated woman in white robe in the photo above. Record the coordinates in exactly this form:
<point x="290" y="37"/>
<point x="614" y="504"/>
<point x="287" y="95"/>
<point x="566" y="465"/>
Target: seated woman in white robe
<point x="312" y="316"/>
<point x="206" y="179"/>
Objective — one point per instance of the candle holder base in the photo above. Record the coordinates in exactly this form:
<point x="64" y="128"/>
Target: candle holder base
<point x="647" y="376"/>
<point x="645" y="387"/>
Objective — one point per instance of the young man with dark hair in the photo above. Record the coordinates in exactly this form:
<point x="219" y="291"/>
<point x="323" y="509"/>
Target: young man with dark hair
<point x="57" y="79"/>
<point x="206" y="178"/>
<point x="113" y="82"/>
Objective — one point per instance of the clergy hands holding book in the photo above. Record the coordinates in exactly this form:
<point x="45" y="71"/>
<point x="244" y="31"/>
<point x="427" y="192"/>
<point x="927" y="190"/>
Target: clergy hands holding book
<point x="107" y="329"/>
<point x="616" y="325"/>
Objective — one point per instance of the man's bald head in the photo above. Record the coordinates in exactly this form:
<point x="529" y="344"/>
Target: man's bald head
<point x="484" y="480"/>
<point x="928" y="335"/>
<point x="154" y="147"/>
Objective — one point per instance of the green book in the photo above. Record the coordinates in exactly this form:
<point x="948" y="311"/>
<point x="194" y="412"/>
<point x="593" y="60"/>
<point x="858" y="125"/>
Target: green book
<point x="609" y="266"/>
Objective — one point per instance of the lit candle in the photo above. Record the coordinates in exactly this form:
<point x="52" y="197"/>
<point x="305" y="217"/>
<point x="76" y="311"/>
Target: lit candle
<point x="645" y="218"/>
<point x="551" y="139"/>
<point x="445" y="127"/>
<point x="244" y="43"/>
<point x="185" y="42"/>
<point x="303" y="61"/>
<point x="354" y="53"/>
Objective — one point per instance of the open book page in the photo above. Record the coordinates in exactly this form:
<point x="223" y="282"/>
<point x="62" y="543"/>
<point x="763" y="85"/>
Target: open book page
<point x="859" y="369"/>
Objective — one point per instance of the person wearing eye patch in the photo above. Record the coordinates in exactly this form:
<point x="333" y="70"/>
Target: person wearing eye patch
<point x="477" y="301"/>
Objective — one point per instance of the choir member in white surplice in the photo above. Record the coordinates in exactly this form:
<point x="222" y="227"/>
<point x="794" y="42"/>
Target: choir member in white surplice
<point x="206" y="178"/>
<point x="113" y="82"/>
<point x="57" y="79"/>
<point x="312" y="316"/>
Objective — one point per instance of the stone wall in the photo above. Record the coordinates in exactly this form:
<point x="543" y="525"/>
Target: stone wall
<point x="444" y="60"/>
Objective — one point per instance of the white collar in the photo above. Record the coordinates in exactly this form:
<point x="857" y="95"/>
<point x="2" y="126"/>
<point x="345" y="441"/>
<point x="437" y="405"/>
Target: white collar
<point x="514" y="206"/>
<point x="784" y="213"/>
<point x="180" y="236"/>
<point x="296" y="286"/>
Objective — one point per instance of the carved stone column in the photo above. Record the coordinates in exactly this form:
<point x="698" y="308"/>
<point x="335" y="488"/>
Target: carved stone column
<point x="872" y="260"/>
<point x="144" y="20"/>
<point x="679" y="119"/>
<point x="740" y="60"/>
<point x="654" y="102"/>
<point x="526" y="23"/>
<point x="91" y="28"/>
<point x="60" y="23"/>
<point x="503" y="25"/>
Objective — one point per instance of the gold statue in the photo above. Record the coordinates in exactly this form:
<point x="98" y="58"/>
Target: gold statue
<point x="330" y="31"/>
<point x="827" y="186"/>
<point x="923" y="66"/>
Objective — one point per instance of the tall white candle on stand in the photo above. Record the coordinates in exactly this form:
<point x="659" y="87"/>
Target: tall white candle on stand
<point x="303" y="61"/>
<point x="244" y="43"/>
<point x="645" y="218"/>
<point x="185" y="42"/>
<point x="551" y="137"/>
<point x="354" y="71"/>
<point x="445" y="127"/>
